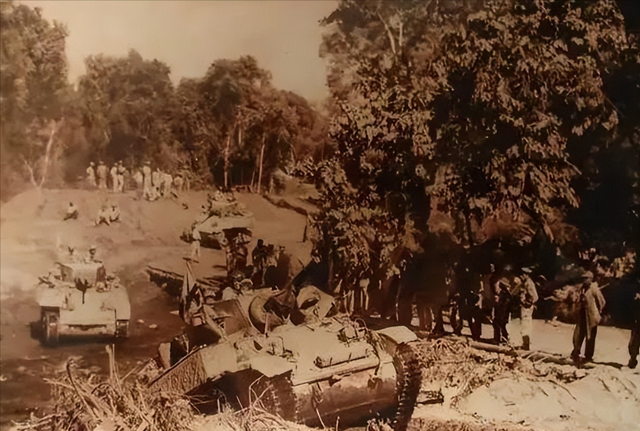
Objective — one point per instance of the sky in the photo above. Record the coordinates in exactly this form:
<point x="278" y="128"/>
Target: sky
<point x="284" y="36"/>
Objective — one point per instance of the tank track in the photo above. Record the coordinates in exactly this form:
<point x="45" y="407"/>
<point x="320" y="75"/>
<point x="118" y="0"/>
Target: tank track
<point x="408" y="381"/>
<point x="277" y="396"/>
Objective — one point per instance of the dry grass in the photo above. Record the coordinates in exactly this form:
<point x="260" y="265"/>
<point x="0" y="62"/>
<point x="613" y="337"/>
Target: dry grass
<point x="451" y="363"/>
<point x="84" y="403"/>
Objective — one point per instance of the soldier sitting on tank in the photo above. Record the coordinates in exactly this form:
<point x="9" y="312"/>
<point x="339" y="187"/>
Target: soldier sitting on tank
<point x="73" y="255"/>
<point x="238" y="286"/>
<point x="91" y="257"/>
<point x="112" y="282"/>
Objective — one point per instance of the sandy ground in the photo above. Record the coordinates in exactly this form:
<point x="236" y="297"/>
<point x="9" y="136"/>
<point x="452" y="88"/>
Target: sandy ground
<point x="31" y="228"/>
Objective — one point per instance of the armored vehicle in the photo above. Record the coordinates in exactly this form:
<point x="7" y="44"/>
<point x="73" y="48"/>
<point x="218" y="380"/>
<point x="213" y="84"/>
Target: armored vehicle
<point x="221" y="223"/>
<point x="313" y="366"/>
<point x="82" y="300"/>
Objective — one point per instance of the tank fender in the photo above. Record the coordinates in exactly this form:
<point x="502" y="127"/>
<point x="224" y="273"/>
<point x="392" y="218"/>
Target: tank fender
<point x="394" y="336"/>
<point x="271" y="366"/>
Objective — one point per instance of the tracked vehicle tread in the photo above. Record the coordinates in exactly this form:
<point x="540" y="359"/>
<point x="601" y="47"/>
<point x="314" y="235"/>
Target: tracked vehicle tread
<point x="408" y="381"/>
<point x="277" y="396"/>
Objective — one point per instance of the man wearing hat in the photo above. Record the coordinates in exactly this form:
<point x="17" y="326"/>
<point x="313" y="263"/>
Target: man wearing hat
<point x="91" y="175"/>
<point x="101" y="173"/>
<point x="120" y="176"/>
<point x="524" y="298"/>
<point x="114" y="177"/>
<point x="146" y="180"/>
<point x="589" y="316"/>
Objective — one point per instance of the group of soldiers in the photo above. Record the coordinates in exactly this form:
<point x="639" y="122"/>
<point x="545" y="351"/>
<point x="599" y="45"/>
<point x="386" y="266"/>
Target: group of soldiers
<point x="269" y="267"/>
<point x="106" y="215"/>
<point x="97" y="176"/>
<point x="499" y="297"/>
<point x="154" y="184"/>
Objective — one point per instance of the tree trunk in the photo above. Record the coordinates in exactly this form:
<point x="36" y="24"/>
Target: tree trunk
<point x="260" y="169"/>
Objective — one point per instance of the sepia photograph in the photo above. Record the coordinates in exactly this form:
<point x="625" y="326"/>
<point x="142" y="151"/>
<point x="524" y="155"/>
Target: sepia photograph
<point x="313" y="215"/>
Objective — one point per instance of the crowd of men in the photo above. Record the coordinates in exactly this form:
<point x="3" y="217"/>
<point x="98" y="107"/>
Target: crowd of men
<point x="511" y="295"/>
<point x="154" y="184"/>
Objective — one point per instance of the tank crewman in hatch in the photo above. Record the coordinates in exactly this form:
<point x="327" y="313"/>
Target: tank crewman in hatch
<point x="91" y="256"/>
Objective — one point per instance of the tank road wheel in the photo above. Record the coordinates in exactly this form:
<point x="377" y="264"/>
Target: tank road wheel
<point x="408" y="381"/>
<point x="276" y="395"/>
<point x="50" y="321"/>
<point x="122" y="329"/>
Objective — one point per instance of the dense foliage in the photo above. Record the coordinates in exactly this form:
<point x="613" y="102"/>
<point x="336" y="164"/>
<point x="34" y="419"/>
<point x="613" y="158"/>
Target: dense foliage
<point x="459" y="115"/>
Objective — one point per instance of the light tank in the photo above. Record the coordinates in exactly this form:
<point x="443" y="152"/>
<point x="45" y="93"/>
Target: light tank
<point x="222" y="221"/>
<point x="313" y="366"/>
<point x="82" y="300"/>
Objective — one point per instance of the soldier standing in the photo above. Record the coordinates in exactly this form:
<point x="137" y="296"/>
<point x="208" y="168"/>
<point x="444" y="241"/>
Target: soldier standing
<point x="101" y="173"/>
<point x="634" y="341"/>
<point x="241" y="253"/>
<point x="590" y="314"/>
<point x="114" y="177"/>
<point x="91" y="175"/>
<point x="523" y="300"/>
<point x="178" y="183"/>
<point x="156" y="179"/>
<point x="121" y="172"/>
<point x="195" y="244"/>
<point x="146" y="180"/>
<point x="500" y="317"/>
<point x="258" y="259"/>
<point x="166" y="185"/>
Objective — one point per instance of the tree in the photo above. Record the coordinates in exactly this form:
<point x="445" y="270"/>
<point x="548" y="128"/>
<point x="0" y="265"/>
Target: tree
<point x="129" y="108"/>
<point x="33" y="91"/>
<point x="230" y="94"/>
<point x="465" y="107"/>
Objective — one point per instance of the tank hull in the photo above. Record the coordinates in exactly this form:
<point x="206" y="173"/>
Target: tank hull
<point x="352" y="399"/>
